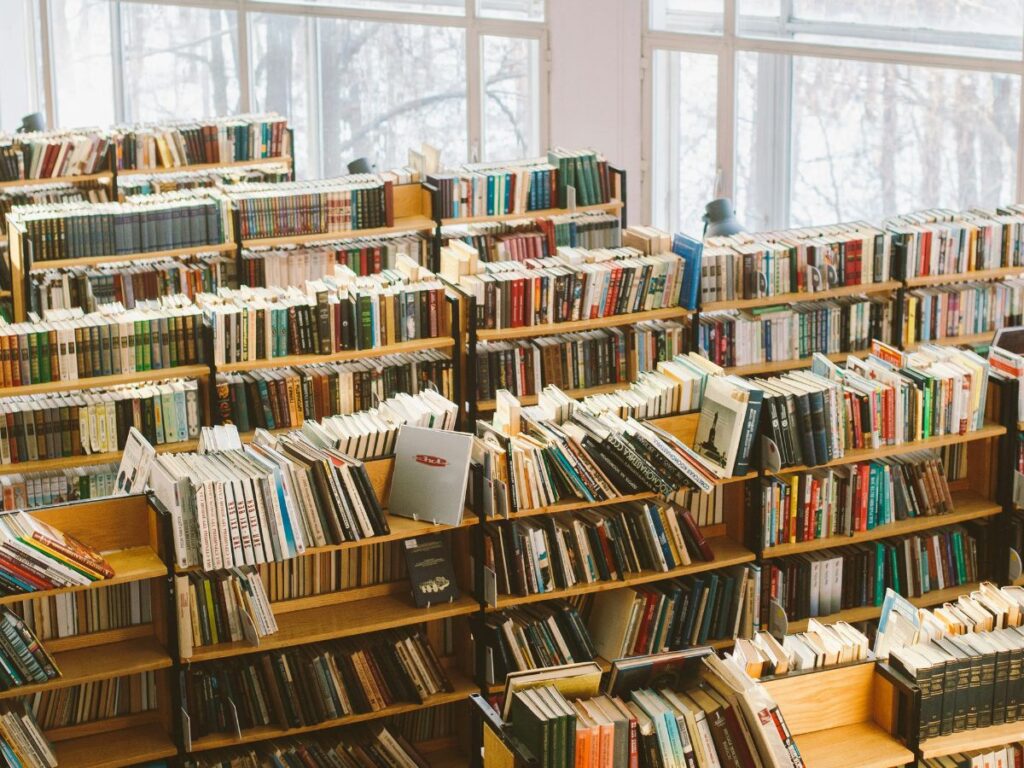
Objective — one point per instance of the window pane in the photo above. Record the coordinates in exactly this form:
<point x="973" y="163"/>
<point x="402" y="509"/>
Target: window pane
<point x="389" y="87"/>
<point x="447" y="7"/>
<point x="511" y="97"/>
<point x="19" y="91"/>
<point x="761" y="120"/>
<point x="524" y="10"/>
<point x="281" y="63"/>
<point x="687" y="16"/>
<point x="179" y="62"/>
<point x="83" y="62"/>
<point x="684" y="165"/>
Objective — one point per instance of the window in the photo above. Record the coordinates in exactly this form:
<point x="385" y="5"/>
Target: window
<point x="356" y="78"/>
<point x="836" y="110"/>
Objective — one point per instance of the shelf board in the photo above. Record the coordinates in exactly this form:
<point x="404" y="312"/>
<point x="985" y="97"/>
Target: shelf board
<point x="87" y="460"/>
<point x="445" y="753"/>
<point x="402" y="224"/>
<point x="612" y="321"/>
<point x="967" y="505"/>
<point x="340" y="620"/>
<point x="971" y="340"/>
<point x="987" y="432"/>
<point x="284" y="160"/>
<point x="966" y="741"/>
<point x="462" y="686"/>
<point x="727" y="553"/>
<point x="91" y="261"/>
<point x="601" y="389"/>
<point x="789" y="298"/>
<point x="141" y="744"/>
<point x="835" y="747"/>
<point x="778" y="366"/>
<point x="963" y="277"/>
<point x="135" y="564"/>
<point x="869" y="612"/>
<point x="97" y="382"/>
<point x="441" y="342"/>
<point x="82" y="179"/>
<point x="100" y="662"/>
<point x="612" y="206"/>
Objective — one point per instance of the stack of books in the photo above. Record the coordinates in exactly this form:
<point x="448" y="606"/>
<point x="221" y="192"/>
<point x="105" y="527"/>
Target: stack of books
<point x="227" y="607"/>
<point x="23" y="660"/>
<point x="360" y="201"/>
<point x="839" y="501"/>
<point x="281" y="266"/>
<point x="314" y="683"/>
<point x="656" y="341"/>
<point x="54" y="154"/>
<point x="534" y="637"/>
<point x="46" y="193"/>
<point x="538" y="237"/>
<point x="142" y="224"/>
<point x="266" y="502"/>
<point x="276" y="398"/>
<point x="22" y="741"/>
<point x="35" y="556"/>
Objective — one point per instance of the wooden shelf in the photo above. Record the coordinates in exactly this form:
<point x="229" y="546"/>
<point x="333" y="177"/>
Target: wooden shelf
<point x="601" y="389"/>
<point x="462" y="686"/>
<point x="441" y="342"/>
<point x="979" y="738"/>
<point x="284" y="160"/>
<point x="609" y="207"/>
<point x="443" y="753"/>
<point x="987" y="432"/>
<point x="836" y="747"/>
<point x="88" y="460"/>
<point x="727" y="553"/>
<point x="406" y="223"/>
<point x="971" y="340"/>
<point x="612" y="321"/>
<point x="91" y="261"/>
<point x="340" y="620"/>
<point x="100" y="662"/>
<point x="97" y="382"/>
<point x="778" y="366"/>
<point x="135" y="564"/>
<point x="141" y="744"/>
<point x="967" y="505"/>
<point x="84" y="178"/>
<point x="869" y="612"/>
<point x="789" y="298"/>
<point x="963" y="277"/>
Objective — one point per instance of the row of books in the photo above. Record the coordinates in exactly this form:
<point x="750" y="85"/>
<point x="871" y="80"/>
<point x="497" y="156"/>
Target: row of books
<point x="556" y="552"/>
<point x="682" y="613"/>
<point x="226" y="607"/>
<point x="22" y="741"/>
<point x="536" y="238"/>
<point x="202" y="142"/>
<point x="313" y="683"/>
<point x="252" y="324"/>
<point x="38" y="427"/>
<point x="820" y="646"/>
<point x="54" y="192"/>
<point x="951" y="311"/>
<point x="37" y="156"/>
<point x="71" y="345"/>
<point x="379" y="745"/>
<point x="23" y="659"/>
<point x="269" y="501"/>
<point x="283" y="266"/>
<point x="68" y="614"/>
<point x="795" y="331"/>
<point x="359" y="201"/>
<point x="157" y="182"/>
<point x="806" y="260"/>
<point x="492" y="189"/>
<point x="828" y="581"/>
<point x="270" y="398"/>
<point x="89" y="702"/>
<point x="840" y="501"/>
<point x="143" y="224"/>
<point x="29" y="490"/>
<point x="335" y="571"/>
<point x="656" y="340"/>
<point x="128" y="283"/>
<point x="532" y="637"/>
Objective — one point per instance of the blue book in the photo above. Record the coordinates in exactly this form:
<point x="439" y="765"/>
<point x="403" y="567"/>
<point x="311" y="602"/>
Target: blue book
<point x="690" y="251"/>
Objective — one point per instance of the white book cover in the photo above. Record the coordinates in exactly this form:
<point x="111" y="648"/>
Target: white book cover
<point x="431" y="472"/>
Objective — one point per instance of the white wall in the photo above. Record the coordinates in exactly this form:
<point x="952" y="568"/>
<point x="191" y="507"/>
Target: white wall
<point x="595" y="91"/>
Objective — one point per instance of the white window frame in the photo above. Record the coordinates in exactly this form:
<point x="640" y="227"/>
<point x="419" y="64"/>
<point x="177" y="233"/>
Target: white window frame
<point x="776" y="98"/>
<point x="475" y="26"/>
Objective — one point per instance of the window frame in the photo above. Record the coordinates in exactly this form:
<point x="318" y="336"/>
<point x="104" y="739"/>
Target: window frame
<point x="474" y="25"/>
<point x="776" y="131"/>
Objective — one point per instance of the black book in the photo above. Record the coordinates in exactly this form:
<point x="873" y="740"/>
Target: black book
<point x="431" y="574"/>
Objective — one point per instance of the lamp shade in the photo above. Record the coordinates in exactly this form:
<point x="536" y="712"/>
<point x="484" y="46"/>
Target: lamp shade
<point x="32" y="123"/>
<point x="360" y="165"/>
<point x="720" y="219"/>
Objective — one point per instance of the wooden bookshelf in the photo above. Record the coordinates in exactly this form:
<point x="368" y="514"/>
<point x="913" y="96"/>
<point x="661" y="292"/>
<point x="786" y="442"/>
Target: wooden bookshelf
<point x="418" y="345"/>
<point x="780" y="366"/>
<point x="114" y="749"/>
<point x="613" y="206"/>
<point x="98" y="382"/>
<point x="198" y="167"/>
<point x="101" y="177"/>
<point x="402" y="224"/>
<point x="601" y="389"/>
<point x="968" y="340"/>
<point x="962" y="277"/>
<point x="87" y="460"/>
<point x="967" y="505"/>
<point x="92" y="261"/>
<point x="867" y="289"/>
<point x="966" y="741"/>
<point x="612" y="321"/>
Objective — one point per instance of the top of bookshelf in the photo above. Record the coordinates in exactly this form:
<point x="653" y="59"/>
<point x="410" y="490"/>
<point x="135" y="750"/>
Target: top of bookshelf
<point x="789" y="298"/>
<point x="280" y="160"/>
<point x="415" y="223"/>
<point x="960" y="277"/>
<point x="103" y="176"/>
<point x="610" y="207"/>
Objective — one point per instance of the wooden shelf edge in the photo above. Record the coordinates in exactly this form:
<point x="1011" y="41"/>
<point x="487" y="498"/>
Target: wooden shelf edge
<point x="91" y="261"/>
<point x="405" y="224"/>
<point x="81" y="179"/>
<point x="980" y="738"/>
<point x="134" y="745"/>
<point x="610" y="206"/>
<point x="963" y="277"/>
<point x="283" y="160"/>
<point x="778" y="366"/>
<point x="570" y="326"/>
<point x="87" y="460"/>
<point x="835" y="747"/>
<point x="99" y="382"/>
<point x="440" y="342"/>
<point x="789" y="298"/>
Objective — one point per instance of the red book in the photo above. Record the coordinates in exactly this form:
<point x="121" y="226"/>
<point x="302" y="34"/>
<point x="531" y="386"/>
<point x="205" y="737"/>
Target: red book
<point x="16" y="568"/>
<point x="697" y="537"/>
<point x="644" y="631"/>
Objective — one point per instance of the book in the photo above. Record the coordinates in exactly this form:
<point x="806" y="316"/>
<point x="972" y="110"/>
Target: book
<point x="430" y="476"/>
<point x="729" y="414"/>
<point x="226" y="607"/>
<point x="431" y="575"/>
<point x="61" y="615"/>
